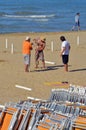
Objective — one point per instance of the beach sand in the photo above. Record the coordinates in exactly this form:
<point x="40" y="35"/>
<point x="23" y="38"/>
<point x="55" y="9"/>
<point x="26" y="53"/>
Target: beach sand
<point x="40" y="81"/>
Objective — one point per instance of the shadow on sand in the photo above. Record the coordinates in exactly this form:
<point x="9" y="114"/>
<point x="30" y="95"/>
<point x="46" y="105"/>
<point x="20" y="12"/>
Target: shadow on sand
<point x="49" y="68"/>
<point x="83" y="69"/>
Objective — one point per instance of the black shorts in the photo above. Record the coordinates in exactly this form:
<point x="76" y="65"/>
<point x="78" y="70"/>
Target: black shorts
<point x="65" y="58"/>
<point x="77" y="24"/>
<point x="39" y="55"/>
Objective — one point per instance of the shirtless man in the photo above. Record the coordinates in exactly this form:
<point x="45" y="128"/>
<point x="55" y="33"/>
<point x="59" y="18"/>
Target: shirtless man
<point x="39" y="51"/>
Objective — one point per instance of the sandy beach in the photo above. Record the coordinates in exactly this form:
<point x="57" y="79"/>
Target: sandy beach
<point x="40" y="81"/>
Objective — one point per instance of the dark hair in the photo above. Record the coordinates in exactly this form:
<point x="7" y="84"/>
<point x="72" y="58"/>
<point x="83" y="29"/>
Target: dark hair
<point x="78" y="13"/>
<point x="62" y="38"/>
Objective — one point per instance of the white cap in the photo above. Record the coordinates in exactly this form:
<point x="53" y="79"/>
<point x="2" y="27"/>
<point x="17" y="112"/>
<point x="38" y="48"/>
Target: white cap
<point x="27" y="38"/>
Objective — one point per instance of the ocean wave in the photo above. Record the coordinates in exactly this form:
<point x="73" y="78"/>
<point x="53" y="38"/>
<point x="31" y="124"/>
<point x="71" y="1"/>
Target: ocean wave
<point x="41" y="20"/>
<point x="30" y="16"/>
<point x="2" y="14"/>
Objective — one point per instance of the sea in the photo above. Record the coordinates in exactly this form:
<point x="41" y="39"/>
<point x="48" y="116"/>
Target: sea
<point x="40" y="15"/>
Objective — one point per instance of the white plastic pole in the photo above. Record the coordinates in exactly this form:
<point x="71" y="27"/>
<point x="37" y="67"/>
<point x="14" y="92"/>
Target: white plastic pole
<point x="52" y="48"/>
<point x="77" y="40"/>
<point x="49" y="62"/>
<point x="6" y="45"/>
<point x="12" y="48"/>
<point x="22" y="87"/>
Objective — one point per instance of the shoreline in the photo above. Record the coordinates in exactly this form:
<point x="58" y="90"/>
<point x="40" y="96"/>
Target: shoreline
<point x="41" y="32"/>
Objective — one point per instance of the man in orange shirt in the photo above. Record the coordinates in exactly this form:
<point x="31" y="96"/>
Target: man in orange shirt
<point x="26" y="50"/>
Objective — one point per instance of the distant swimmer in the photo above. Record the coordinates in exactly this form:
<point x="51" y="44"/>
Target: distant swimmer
<point x="77" y="22"/>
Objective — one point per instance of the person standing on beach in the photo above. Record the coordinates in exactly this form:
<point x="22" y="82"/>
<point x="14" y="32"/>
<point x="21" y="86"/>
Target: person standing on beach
<point x="77" y="22"/>
<point x="64" y="53"/>
<point x="39" y="51"/>
<point x="26" y="50"/>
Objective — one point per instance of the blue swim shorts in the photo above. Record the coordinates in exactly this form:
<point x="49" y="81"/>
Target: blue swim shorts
<point x="27" y="59"/>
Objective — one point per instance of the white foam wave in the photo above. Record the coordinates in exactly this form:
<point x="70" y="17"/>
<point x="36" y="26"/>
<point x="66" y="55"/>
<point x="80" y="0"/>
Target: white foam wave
<point x="30" y="16"/>
<point x="41" y="20"/>
<point x="42" y="16"/>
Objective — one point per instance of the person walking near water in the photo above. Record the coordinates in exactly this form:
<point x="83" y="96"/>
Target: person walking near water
<point x="26" y="50"/>
<point x="64" y="53"/>
<point x="77" y="22"/>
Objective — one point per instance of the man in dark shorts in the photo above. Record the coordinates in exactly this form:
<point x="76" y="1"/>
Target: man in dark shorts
<point x="65" y="48"/>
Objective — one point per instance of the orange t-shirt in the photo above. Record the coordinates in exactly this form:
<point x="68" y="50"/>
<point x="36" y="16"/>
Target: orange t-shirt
<point x="27" y="47"/>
